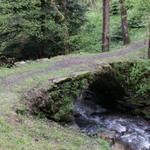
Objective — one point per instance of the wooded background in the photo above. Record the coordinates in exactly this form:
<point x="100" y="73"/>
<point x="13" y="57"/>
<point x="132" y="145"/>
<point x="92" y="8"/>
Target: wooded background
<point x="46" y="28"/>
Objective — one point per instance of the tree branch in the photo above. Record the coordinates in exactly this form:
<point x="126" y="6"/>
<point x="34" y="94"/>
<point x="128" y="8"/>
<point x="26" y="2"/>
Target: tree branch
<point x="59" y="14"/>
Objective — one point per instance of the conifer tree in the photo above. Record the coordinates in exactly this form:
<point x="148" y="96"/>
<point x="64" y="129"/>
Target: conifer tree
<point x="46" y="22"/>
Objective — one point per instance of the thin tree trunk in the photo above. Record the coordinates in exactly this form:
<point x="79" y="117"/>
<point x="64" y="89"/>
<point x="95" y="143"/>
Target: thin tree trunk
<point x="59" y="14"/>
<point x="43" y="29"/>
<point x="42" y="17"/>
<point x="93" y="4"/>
<point x="64" y="22"/>
<point x="124" y="24"/>
<point x="66" y="32"/>
<point x="149" y="43"/>
<point x="105" y="34"/>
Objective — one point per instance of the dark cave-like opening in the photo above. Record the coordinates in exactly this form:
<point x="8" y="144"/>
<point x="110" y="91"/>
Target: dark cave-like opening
<point x="107" y="90"/>
<point x="101" y="97"/>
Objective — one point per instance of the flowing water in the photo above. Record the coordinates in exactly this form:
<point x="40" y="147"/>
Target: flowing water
<point x="123" y="131"/>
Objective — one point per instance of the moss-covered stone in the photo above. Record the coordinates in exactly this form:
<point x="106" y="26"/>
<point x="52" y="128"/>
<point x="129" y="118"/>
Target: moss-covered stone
<point x="109" y="83"/>
<point x="56" y="101"/>
<point x="62" y="97"/>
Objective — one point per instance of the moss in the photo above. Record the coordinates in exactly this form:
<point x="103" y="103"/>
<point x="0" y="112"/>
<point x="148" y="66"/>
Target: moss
<point x="63" y="96"/>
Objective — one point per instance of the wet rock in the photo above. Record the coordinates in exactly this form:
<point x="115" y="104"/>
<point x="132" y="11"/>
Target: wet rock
<point x="122" y="131"/>
<point x="116" y="126"/>
<point x="136" y="141"/>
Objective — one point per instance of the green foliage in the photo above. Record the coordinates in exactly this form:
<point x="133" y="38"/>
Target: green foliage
<point x="139" y="13"/>
<point x="140" y="78"/>
<point x="30" y="30"/>
<point x="135" y="21"/>
<point x="114" y="7"/>
<point x="34" y="29"/>
<point x="115" y="30"/>
<point x="135" y="76"/>
<point x="89" y="38"/>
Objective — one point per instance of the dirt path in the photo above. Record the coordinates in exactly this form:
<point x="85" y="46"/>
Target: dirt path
<point x="70" y="61"/>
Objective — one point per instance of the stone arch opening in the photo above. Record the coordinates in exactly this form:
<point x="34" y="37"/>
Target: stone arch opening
<point x="101" y="97"/>
<point x="105" y="90"/>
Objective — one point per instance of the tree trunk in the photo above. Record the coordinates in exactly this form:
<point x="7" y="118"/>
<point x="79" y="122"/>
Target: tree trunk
<point x="42" y="17"/>
<point x="43" y="30"/>
<point x="62" y="18"/>
<point x="66" y="32"/>
<point x="59" y="14"/>
<point x="124" y="24"/>
<point x="105" y="34"/>
<point x="149" y="44"/>
<point x="93" y="4"/>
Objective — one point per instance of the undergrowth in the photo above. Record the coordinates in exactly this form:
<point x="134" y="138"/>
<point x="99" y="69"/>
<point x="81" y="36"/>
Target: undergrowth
<point x="140" y="78"/>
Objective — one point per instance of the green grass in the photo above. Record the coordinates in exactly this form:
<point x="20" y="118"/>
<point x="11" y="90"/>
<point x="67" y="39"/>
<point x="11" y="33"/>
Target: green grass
<point x="29" y="66"/>
<point x="38" y="134"/>
<point x="40" y="80"/>
<point x="21" y="132"/>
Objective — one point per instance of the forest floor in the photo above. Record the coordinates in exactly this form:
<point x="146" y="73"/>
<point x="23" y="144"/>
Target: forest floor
<point x="22" y="132"/>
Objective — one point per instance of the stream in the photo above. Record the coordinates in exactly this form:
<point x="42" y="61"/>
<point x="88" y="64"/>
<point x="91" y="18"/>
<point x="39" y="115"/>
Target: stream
<point x="123" y="131"/>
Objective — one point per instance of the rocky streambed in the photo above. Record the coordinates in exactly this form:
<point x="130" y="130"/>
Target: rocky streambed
<point x="122" y="130"/>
